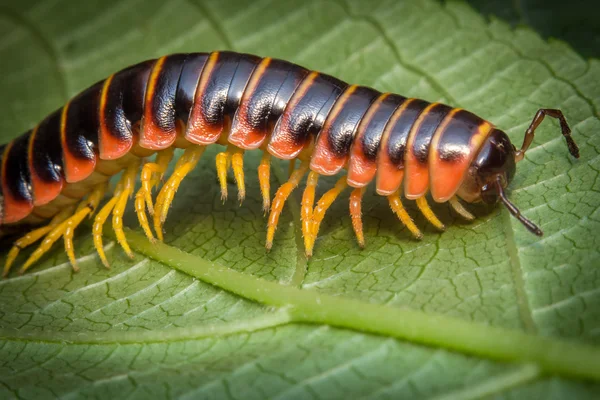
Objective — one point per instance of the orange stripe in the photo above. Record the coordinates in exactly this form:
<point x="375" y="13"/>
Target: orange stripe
<point x="43" y="192"/>
<point x="282" y="144"/>
<point x="75" y="169"/>
<point x="109" y="146"/>
<point x="152" y="136"/>
<point x="324" y="161"/>
<point x="417" y="174"/>
<point x="242" y="134"/>
<point x="13" y="210"/>
<point x="389" y="177"/>
<point x="361" y="171"/>
<point x="199" y="131"/>
<point x="447" y="176"/>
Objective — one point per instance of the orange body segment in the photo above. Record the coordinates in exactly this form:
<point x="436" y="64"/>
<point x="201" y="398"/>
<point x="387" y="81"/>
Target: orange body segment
<point x="447" y="172"/>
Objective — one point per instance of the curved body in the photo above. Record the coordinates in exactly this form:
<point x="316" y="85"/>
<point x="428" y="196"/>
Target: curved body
<point x="247" y="101"/>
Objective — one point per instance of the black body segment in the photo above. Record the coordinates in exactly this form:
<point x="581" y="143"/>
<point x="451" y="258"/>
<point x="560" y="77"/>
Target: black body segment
<point x="426" y="130"/>
<point x="342" y="128"/>
<point x="263" y="103"/>
<point x="125" y="100"/>
<point x="373" y="132"/>
<point x="455" y="140"/>
<point x="305" y="114"/>
<point x="295" y="75"/>
<point x="213" y="99"/>
<point x="82" y="125"/>
<point x="246" y="65"/>
<point x="308" y="116"/>
<point x="187" y="84"/>
<point x="401" y="129"/>
<point x="165" y="90"/>
<point x="47" y="159"/>
<point x="16" y="173"/>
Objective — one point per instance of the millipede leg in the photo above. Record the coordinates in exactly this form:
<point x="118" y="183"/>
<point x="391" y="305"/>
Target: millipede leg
<point x="128" y="180"/>
<point x="280" y="197"/>
<point x="152" y="173"/>
<point x="122" y="192"/>
<point x="140" y="210"/>
<point x="66" y="229"/>
<point x="356" y="214"/>
<point x="428" y="213"/>
<point x="400" y="211"/>
<point x="237" y="164"/>
<point x="84" y="209"/>
<point x="97" y="227"/>
<point x="222" y="162"/>
<point x="460" y="209"/>
<point x="46" y="244"/>
<point x="308" y="201"/>
<point x="264" y="176"/>
<point x="33" y="237"/>
<point x="291" y="167"/>
<point x="164" y="199"/>
<point x="319" y="212"/>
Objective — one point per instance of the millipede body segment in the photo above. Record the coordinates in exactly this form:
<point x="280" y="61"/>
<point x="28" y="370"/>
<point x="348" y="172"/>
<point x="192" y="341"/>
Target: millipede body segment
<point x="56" y="174"/>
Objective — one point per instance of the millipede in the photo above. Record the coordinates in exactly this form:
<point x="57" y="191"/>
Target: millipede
<point x="56" y="174"/>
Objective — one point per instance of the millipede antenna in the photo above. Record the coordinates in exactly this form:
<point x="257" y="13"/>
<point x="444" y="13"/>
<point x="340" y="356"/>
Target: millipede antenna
<point x="533" y="228"/>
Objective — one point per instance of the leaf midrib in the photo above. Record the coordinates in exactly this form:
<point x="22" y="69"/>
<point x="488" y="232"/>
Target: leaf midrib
<point x="308" y="306"/>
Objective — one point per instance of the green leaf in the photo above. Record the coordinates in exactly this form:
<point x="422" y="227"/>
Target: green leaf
<point x="144" y="329"/>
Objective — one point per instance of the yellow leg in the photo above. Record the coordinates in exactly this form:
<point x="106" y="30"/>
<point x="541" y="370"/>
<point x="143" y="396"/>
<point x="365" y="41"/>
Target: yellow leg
<point x="151" y="174"/>
<point x="319" y="212"/>
<point x="140" y="210"/>
<point x="237" y="163"/>
<point x="280" y="197"/>
<point x="46" y="244"/>
<point x="291" y="167"/>
<point x="32" y="237"/>
<point x="264" y="172"/>
<point x="128" y="180"/>
<point x="115" y="205"/>
<point x="428" y="213"/>
<point x="191" y="156"/>
<point x="306" y="212"/>
<point x="84" y="209"/>
<point x="66" y="229"/>
<point x="222" y="161"/>
<point x="356" y="214"/>
<point x="97" y="228"/>
<point x="460" y="209"/>
<point x="400" y="211"/>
